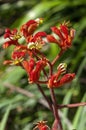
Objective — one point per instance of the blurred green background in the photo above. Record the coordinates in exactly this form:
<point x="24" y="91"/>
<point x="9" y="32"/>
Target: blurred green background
<point x="19" y="112"/>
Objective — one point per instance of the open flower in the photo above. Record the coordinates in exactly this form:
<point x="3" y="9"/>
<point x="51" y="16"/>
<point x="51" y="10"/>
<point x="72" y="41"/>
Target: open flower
<point x="36" y="41"/>
<point x="29" y="65"/>
<point x="13" y="36"/>
<point x="9" y="43"/>
<point x="65" y="35"/>
<point x="34" y="69"/>
<point x="58" y="79"/>
<point x="17" y="58"/>
<point x="54" y="83"/>
<point x="29" y="27"/>
<point x="41" y="125"/>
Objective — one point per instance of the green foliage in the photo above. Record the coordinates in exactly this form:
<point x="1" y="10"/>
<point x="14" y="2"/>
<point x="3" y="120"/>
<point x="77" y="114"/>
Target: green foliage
<point x="24" y="111"/>
<point x="4" y="119"/>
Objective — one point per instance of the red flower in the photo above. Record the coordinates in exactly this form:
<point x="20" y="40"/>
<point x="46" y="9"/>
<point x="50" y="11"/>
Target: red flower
<point x="13" y="37"/>
<point x="65" y="79"/>
<point x="36" y="41"/>
<point x="10" y="34"/>
<point x="29" y="65"/>
<point x="17" y="58"/>
<point x="9" y="43"/>
<point x="55" y="83"/>
<point x="35" y="73"/>
<point x="33" y="69"/>
<point x="65" y="36"/>
<point x="28" y="28"/>
<point x="41" y="126"/>
<point x="18" y="54"/>
<point x="36" y="36"/>
<point x="56" y="80"/>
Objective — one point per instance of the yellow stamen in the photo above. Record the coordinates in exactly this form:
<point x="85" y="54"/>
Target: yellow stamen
<point x="17" y="61"/>
<point x="17" y="36"/>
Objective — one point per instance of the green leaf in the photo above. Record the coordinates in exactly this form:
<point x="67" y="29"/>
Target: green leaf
<point x="35" y="12"/>
<point x="82" y="122"/>
<point x="78" y="114"/>
<point x="4" y="102"/>
<point x="12" y="75"/>
<point x="5" y="118"/>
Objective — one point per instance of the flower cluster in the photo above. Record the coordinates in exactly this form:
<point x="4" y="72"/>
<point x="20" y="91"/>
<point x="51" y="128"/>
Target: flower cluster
<point x="65" y="36"/>
<point x="29" y="56"/>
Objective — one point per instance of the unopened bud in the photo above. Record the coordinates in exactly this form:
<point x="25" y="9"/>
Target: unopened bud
<point x="39" y="20"/>
<point x="72" y="33"/>
<point x="31" y="45"/>
<point x="62" y="67"/>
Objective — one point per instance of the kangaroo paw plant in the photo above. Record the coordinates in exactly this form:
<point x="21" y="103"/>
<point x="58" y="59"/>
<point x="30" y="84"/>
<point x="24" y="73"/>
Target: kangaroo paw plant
<point x="29" y="56"/>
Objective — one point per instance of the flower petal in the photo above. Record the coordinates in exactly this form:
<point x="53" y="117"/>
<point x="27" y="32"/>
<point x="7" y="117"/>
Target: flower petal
<point x="51" y="38"/>
<point x="66" y="78"/>
<point x="64" y="29"/>
<point x="39" y="34"/>
<point x="57" y="31"/>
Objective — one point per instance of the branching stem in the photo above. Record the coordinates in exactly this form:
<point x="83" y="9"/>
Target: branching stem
<point x="71" y="105"/>
<point x="55" y="109"/>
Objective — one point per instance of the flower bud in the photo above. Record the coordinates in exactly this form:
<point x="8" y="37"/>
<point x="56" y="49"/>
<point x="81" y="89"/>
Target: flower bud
<point x="62" y="68"/>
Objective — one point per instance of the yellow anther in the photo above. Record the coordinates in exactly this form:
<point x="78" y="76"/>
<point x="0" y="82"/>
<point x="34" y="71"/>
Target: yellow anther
<point x="17" y="36"/>
<point x="31" y="45"/>
<point x="36" y="45"/>
<point x="17" y="61"/>
<point x="39" y="20"/>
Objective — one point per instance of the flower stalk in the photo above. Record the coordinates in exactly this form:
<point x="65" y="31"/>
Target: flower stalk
<point x="57" y="124"/>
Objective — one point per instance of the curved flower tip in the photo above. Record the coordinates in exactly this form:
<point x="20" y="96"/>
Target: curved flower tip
<point x="51" y="38"/>
<point x="9" y="43"/>
<point x="6" y="44"/>
<point x="7" y="62"/>
<point x="17" y="55"/>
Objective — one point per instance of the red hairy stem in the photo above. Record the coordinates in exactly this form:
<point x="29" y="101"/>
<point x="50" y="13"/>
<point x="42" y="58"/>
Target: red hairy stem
<point x="71" y="105"/>
<point x="42" y="82"/>
<point x="57" y="122"/>
<point x="42" y="92"/>
<point x="51" y="69"/>
<point x="38" y="52"/>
